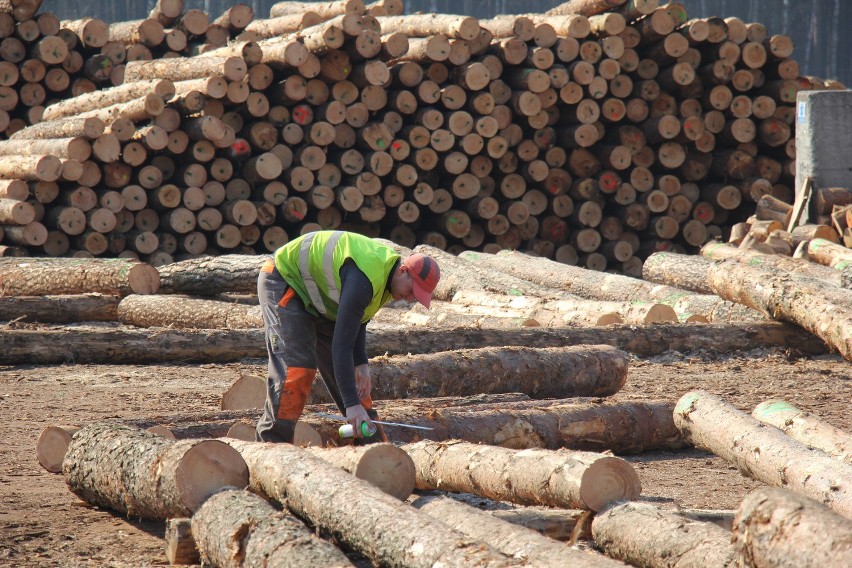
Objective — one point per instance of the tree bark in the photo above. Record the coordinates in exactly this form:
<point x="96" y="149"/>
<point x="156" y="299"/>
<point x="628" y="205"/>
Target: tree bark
<point x="564" y="479"/>
<point x="183" y="311"/>
<point x="59" y="309"/>
<point x="778" y="528"/>
<point x="45" y="347"/>
<point x="368" y="520"/>
<point x="212" y="275"/>
<point x="541" y="373"/>
<point x="128" y="91"/>
<point x="384" y="465"/>
<point x="763" y="453"/>
<point x="805" y="427"/>
<point x="51" y="276"/>
<point x="688" y="272"/>
<point x="143" y="475"/>
<point x="236" y="528"/>
<point x="644" y="535"/>
<point x="820" y="308"/>
<point x="523" y="544"/>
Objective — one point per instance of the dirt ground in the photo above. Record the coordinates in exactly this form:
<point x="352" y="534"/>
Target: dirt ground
<point x="43" y="524"/>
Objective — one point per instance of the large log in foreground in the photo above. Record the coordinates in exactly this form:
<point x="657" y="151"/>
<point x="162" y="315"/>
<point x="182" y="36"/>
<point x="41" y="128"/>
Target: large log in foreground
<point x="779" y="529"/>
<point x="521" y="543"/>
<point x="764" y="452"/>
<point x="156" y="345"/>
<point x="645" y="535"/>
<point x="530" y="477"/>
<point x="238" y="528"/>
<point x="822" y="309"/>
<point x="554" y="372"/>
<point x="379" y="526"/>
<point x="384" y="465"/>
<point x="144" y="475"/>
<point x="806" y="427"/>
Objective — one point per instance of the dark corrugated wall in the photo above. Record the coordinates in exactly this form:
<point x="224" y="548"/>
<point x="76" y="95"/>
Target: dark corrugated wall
<point x="821" y="29"/>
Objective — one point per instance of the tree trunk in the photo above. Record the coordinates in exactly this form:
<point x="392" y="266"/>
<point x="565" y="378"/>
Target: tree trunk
<point x="564" y="479"/>
<point x="830" y="254"/>
<point x="384" y="465"/>
<point x="680" y="270"/>
<point x="377" y="525"/>
<point x="585" y="7"/>
<point x="236" y="528"/>
<point x="780" y="529"/>
<point x="59" y="309"/>
<point x="143" y="475"/>
<point x="523" y="544"/>
<point x="574" y="424"/>
<point x="591" y="284"/>
<point x="820" y="308"/>
<point x="212" y="275"/>
<point x="128" y="91"/>
<point x="48" y="346"/>
<point x="541" y="373"/>
<point x="763" y="453"/>
<point x="51" y="276"/>
<point x="645" y="535"/>
<point x="52" y="445"/>
<point x="183" y="311"/>
<point x="806" y="428"/>
<point x="181" y="69"/>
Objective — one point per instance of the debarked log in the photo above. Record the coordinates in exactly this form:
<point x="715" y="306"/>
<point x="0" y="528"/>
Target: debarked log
<point x="164" y="310"/>
<point x="806" y="428"/>
<point x="562" y="478"/>
<point x="780" y="529"/>
<point x="822" y="309"/>
<point x="104" y="345"/>
<point x="553" y="372"/>
<point x="645" y="535"/>
<point x="144" y="475"/>
<point x="521" y="543"/>
<point x="52" y="276"/>
<point x="70" y="308"/>
<point x="379" y="526"/>
<point x="236" y="528"/>
<point x="763" y="452"/>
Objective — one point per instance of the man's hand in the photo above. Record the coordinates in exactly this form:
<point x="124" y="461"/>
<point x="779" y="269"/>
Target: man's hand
<point x="363" y="382"/>
<point x="356" y="415"/>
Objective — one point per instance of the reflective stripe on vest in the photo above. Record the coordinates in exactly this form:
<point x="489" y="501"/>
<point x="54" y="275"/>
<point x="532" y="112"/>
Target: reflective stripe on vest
<point x="327" y="268"/>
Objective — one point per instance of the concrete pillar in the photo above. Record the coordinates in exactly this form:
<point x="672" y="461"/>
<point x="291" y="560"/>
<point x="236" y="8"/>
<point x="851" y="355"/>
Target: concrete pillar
<point x="823" y="141"/>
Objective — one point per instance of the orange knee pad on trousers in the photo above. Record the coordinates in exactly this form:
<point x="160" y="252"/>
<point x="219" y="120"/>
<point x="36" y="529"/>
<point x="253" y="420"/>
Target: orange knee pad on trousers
<point x="294" y="392"/>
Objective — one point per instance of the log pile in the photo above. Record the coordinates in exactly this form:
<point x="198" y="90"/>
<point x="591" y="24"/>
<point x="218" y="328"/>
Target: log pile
<point x="595" y="134"/>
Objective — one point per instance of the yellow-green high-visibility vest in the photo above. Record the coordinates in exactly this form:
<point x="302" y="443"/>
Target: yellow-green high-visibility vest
<point x="311" y="266"/>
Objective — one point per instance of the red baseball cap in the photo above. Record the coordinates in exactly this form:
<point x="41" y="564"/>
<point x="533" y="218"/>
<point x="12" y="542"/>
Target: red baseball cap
<point x="424" y="276"/>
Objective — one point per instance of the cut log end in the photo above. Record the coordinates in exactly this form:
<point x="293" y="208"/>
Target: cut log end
<point x="52" y="445"/>
<point x="389" y="468"/>
<point x="660" y="313"/>
<point x="249" y="391"/>
<point x="607" y="480"/>
<point x="242" y="431"/>
<point x="143" y="279"/>
<point x="305" y="435"/>
<point x="206" y="468"/>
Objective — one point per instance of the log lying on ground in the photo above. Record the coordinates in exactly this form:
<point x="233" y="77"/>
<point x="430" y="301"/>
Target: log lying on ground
<point x="681" y="270"/>
<point x="448" y="315"/>
<point x="384" y="465"/>
<point x="763" y="452"/>
<point x="830" y="254"/>
<point x="51" y="276"/>
<point x="50" y="346"/>
<point x="612" y="287"/>
<point x="563" y="478"/>
<point x="212" y="275"/>
<point x="52" y="445"/>
<point x="806" y="428"/>
<point x="644" y="535"/>
<point x="577" y="424"/>
<point x="822" y="309"/>
<point x="798" y="266"/>
<point x="521" y="543"/>
<point x="557" y="524"/>
<point x="143" y="475"/>
<point x="249" y="391"/>
<point x="238" y="528"/>
<point x="71" y="308"/>
<point x="166" y="310"/>
<point x="368" y="520"/>
<point x="780" y="529"/>
<point x="554" y="372"/>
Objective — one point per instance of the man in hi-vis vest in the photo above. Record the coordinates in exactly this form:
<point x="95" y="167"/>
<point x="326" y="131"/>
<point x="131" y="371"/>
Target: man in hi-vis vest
<point x="317" y="294"/>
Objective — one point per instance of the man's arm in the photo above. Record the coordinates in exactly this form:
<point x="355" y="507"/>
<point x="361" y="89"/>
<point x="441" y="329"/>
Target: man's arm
<point x="348" y="346"/>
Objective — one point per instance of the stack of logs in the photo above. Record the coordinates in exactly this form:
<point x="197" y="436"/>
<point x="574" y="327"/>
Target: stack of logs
<point x="595" y="134"/>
